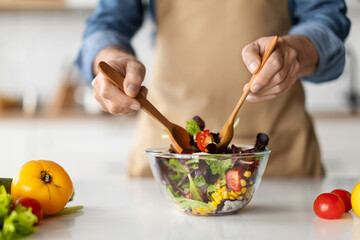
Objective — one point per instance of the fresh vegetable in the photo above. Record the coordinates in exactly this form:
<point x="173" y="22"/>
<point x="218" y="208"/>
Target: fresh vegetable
<point x="345" y="196"/>
<point x="355" y="199"/>
<point x="68" y="210"/>
<point x="233" y="178"/>
<point x="192" y="127"/>
<point x="203" y="138"/>
<point x="219" y="166"/>
<point x="329" y="206"/>
<point x="14" y="223"/>
<point x="195" y="193"/>
<point x="45" y="181"/>
<point x="211" y="182"/>
<point x="35" y="206"/>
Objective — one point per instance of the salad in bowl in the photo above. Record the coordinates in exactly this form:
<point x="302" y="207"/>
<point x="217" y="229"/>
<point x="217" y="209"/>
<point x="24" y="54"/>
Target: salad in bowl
<point x="205" y="181"/>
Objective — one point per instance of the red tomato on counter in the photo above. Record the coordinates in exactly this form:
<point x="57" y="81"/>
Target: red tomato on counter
<point x="36" y="208"/>
<point x="329" y="206"/>
<point x="345" y="196"/>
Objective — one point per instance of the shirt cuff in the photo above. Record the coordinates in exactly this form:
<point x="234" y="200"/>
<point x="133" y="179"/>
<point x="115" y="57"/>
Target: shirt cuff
<point x="330" y="48"/>
<point x="91" y="47"/>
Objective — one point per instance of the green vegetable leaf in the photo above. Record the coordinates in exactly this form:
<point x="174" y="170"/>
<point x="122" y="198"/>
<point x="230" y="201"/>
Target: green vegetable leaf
<point x="19" y="223"/>
<point x="68" y="210"/>
<point x="195" y="193"/>
<point x="219" y="166"/>
<point x="5" y="200"/>
<point x="211" y="188"/>
<point x="186" y="203"/>
<point x="176" y="177"/>
<point x="16" y="223"/>
<point x="195" y="160"/>
<point x="199" y="182"/>
<point x="192" y="127"/>
<point x="177" y="166"/>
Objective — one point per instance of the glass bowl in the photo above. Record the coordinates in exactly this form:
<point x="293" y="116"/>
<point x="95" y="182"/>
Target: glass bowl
<point x="208" y="184"/>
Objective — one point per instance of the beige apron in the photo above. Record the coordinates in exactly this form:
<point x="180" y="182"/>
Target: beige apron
<point x="199" y="71"/>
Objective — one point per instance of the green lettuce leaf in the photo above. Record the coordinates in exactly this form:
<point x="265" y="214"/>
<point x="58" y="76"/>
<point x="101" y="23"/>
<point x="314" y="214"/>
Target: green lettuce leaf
<point x="219" y="166"/>
<point x="5" y="200"/>
<point x="192" y="127"/>
<point x="177" y="166"/>
<point x="176" y="177"/>
<point x="195" y="193"/>
<point x="199" y="182"/>
<point x="186" y="203"/>
<point x="19" y="223"/>
<point x="211" y="188"/>
<point x="16" y="223"/>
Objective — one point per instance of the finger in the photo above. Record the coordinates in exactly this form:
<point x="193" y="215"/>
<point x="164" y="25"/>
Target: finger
<point x="251" y="56"/>
<point x="253" y="98"/>
<point x="276" y="84"/>
<point x="135" y="73"/>
<point x="115" y="100"/>
<point x="96" y="95"/>
<point x="273" y="65"/>
<point x="144" y="91"/>
<point x="277" y="89"/>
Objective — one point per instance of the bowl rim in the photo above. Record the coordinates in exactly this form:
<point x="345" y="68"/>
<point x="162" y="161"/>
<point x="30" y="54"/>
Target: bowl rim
<point x="156" y="152"/>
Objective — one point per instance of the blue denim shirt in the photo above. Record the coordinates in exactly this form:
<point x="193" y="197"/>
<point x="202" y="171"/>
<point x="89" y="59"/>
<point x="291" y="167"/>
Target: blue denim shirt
<point x="324" y="22"/>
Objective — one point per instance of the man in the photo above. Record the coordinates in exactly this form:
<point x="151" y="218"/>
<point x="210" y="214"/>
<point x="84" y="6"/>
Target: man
<point x="201" y="48"/>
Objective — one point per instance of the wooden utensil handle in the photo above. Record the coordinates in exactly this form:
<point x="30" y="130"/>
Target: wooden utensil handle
<point x="115" y="78"/>
<point x="264" y="58"/>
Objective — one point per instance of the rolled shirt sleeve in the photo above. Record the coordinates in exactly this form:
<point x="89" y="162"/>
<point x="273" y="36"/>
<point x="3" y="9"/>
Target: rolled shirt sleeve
<point x="113" y="24"/>
<point x="325" y="23"/>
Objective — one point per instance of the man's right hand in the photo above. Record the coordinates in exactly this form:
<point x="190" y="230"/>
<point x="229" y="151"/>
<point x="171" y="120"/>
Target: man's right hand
<point x="110" y="97"/>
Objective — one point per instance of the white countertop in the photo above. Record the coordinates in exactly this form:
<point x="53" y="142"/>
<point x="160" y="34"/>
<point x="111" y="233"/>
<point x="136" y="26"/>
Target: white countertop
<point x="121" y="208"/>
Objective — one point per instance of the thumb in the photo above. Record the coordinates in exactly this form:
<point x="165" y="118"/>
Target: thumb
<point x="251" y="56"/>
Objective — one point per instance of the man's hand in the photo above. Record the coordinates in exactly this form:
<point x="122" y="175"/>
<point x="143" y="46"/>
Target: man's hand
<point x="293" y="57"/>
<point x="110" y="97"/>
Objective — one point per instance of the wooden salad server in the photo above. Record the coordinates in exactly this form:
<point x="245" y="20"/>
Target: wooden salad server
<point x="227" y="132"/>
<point x="179" y="137"/>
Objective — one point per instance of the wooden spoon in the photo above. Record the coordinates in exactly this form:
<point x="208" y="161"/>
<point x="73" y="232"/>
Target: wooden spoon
<point x="227" y="132"/>
<point x="180" y="139"/>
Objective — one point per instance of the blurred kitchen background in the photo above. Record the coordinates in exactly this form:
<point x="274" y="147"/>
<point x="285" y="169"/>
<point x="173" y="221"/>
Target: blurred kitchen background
<point x="48" y="112"/>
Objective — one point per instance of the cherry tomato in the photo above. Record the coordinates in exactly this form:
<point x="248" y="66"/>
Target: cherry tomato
<point x="36" y="208"/>
<point x="345" y="196"/>
<point x="45" y="181"/>
<point x="203" y="138"/>
<point x="233" y="178"/>
<point x="329" y="206"/>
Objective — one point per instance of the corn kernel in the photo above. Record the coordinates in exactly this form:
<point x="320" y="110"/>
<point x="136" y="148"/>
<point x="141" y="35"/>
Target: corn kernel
<point x="225" y="195"/>
<point x="232" y="197"/>
<point x="234" y="194"/>
<point x="243" y="182"/>
<point x="217" y="200"/>
<point x="243" y="190"/>
<point x="240" y="198"/>
<point x="215" y="194"/>
<point x="224" y="187"/>
<point x="251" y="182"/>
<point x="247" y="174"/>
